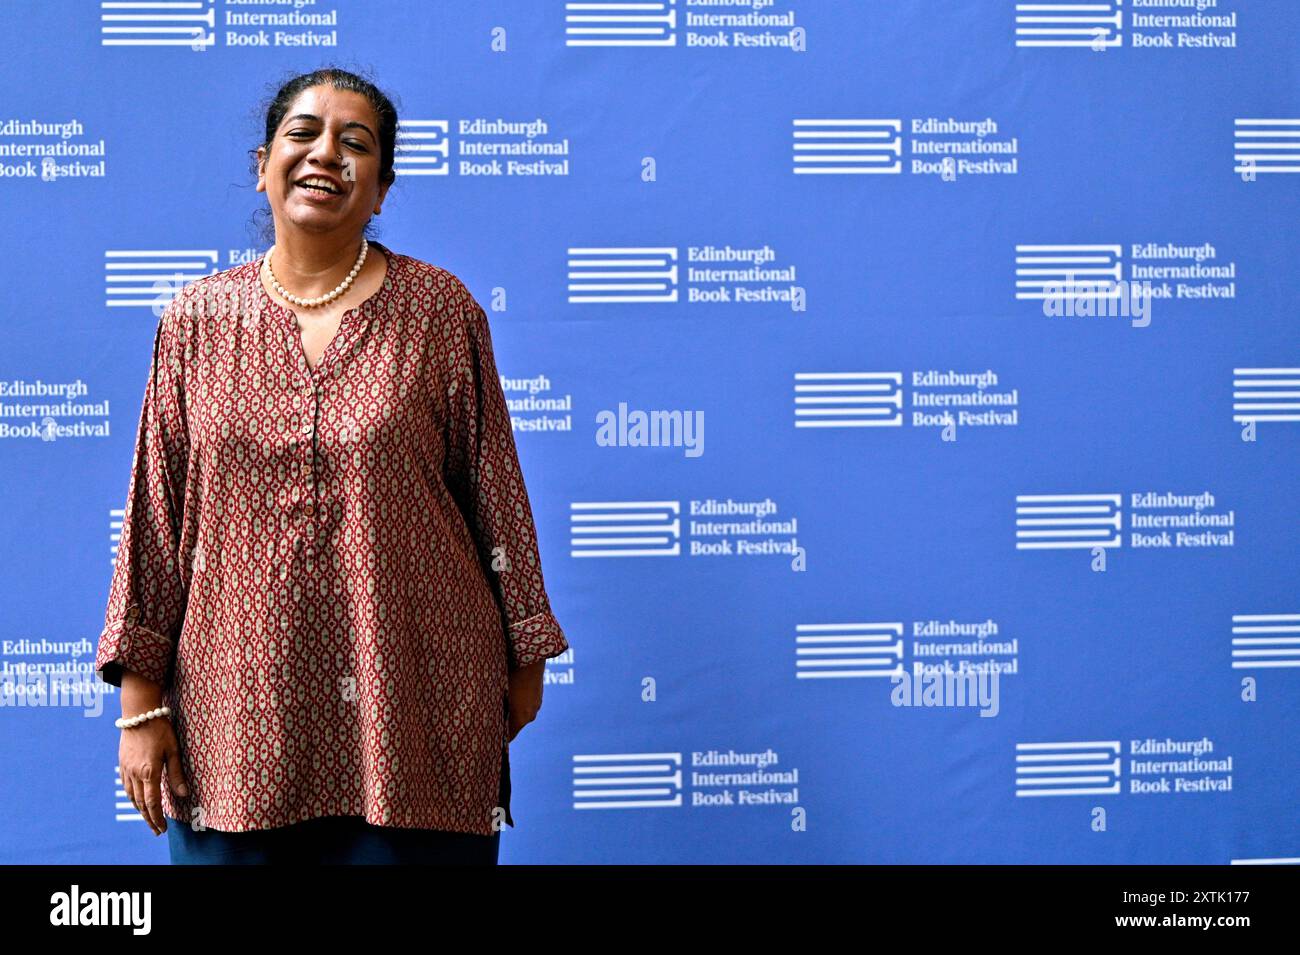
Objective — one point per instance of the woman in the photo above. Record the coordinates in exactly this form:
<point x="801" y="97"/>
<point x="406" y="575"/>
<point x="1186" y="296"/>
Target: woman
<point x="327" y="614"/>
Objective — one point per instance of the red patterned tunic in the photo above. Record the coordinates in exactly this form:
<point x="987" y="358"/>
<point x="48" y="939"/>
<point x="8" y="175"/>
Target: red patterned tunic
<point x="330" y="570"/>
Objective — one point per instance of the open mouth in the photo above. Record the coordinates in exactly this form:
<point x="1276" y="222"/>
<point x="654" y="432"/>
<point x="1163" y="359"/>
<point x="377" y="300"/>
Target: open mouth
<point x="319" y="187"/>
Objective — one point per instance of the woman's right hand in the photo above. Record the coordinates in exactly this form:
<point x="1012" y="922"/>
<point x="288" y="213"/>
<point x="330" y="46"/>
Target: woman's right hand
<point x="147" y="751"/>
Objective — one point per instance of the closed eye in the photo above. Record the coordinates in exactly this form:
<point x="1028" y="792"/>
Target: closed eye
<point x="300" y="133"/>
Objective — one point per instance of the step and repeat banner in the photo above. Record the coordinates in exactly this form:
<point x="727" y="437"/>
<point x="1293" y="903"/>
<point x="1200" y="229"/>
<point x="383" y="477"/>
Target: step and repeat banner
<point x="908" y="394"/>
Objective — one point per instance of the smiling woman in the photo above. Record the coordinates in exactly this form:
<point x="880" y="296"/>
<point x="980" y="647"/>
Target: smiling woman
<point x="326" y="165"/>
<point x="328" y="574"/>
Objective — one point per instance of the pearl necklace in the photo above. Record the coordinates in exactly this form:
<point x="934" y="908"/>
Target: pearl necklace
<point x="319" y="299"/>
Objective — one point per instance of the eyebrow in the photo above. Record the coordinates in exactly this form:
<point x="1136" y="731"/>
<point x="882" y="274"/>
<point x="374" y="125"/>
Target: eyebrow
<point x="354" y="124"/>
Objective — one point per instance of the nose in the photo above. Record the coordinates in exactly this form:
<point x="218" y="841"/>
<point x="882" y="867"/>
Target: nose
<point x="325" y="152"/>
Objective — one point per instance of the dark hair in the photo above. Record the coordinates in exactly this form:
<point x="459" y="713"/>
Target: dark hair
<point x="272" y="114"/>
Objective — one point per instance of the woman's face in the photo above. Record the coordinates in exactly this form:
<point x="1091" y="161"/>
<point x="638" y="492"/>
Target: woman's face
<point x="326" y="133"/>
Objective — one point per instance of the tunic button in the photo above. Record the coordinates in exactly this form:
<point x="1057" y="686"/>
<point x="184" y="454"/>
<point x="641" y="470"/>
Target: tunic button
<point x="306" y="469"/>
<point x="309" y="508"/>
<point x="306" y="428"/>
<point x="132" y="615"/>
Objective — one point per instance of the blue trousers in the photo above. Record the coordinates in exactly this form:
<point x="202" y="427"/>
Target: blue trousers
<point x="330" y="840"/>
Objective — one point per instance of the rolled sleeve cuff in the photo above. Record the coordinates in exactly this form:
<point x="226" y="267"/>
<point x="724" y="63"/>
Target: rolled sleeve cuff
<point x="125" y="645"/>
<point x="537" y="638"/>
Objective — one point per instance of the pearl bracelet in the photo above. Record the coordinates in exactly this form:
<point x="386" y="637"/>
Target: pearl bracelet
<point x="127" y="722"/>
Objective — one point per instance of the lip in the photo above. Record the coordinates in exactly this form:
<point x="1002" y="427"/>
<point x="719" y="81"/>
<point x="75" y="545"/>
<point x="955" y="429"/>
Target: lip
<point x="320" y="197"/>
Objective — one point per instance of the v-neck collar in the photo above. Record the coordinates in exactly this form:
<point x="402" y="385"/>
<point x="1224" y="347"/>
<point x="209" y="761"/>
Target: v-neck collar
<point x="346" y="324"/>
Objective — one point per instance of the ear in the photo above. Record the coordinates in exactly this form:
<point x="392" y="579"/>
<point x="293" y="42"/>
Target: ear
<point x="261" y="169"/>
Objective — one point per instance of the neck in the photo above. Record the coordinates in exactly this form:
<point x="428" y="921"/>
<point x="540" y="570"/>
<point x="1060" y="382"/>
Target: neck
<point x="316" y="265"/>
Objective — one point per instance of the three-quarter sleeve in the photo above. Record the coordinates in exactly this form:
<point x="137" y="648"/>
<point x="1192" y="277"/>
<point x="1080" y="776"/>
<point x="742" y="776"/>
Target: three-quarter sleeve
<point x="147" y="596"/>
<point x="482" y="467"/>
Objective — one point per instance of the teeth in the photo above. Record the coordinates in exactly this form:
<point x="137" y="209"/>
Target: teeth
<point x="318" y="184"/>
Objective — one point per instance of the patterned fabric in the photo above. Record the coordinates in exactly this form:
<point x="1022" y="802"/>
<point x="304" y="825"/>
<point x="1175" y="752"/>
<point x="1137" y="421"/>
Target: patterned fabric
<point x="330" y="571"/>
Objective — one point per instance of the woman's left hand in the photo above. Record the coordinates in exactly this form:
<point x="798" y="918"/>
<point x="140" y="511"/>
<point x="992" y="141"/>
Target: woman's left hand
<point x="525" y="696"/>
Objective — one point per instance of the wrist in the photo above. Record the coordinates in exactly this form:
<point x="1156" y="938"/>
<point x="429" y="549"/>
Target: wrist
<point x="131" y="722"/>
<point x="139" y="694"/>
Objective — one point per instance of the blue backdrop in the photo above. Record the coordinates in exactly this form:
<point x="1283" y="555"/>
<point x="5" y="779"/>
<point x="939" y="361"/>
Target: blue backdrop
<point x="832" y="386"/>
